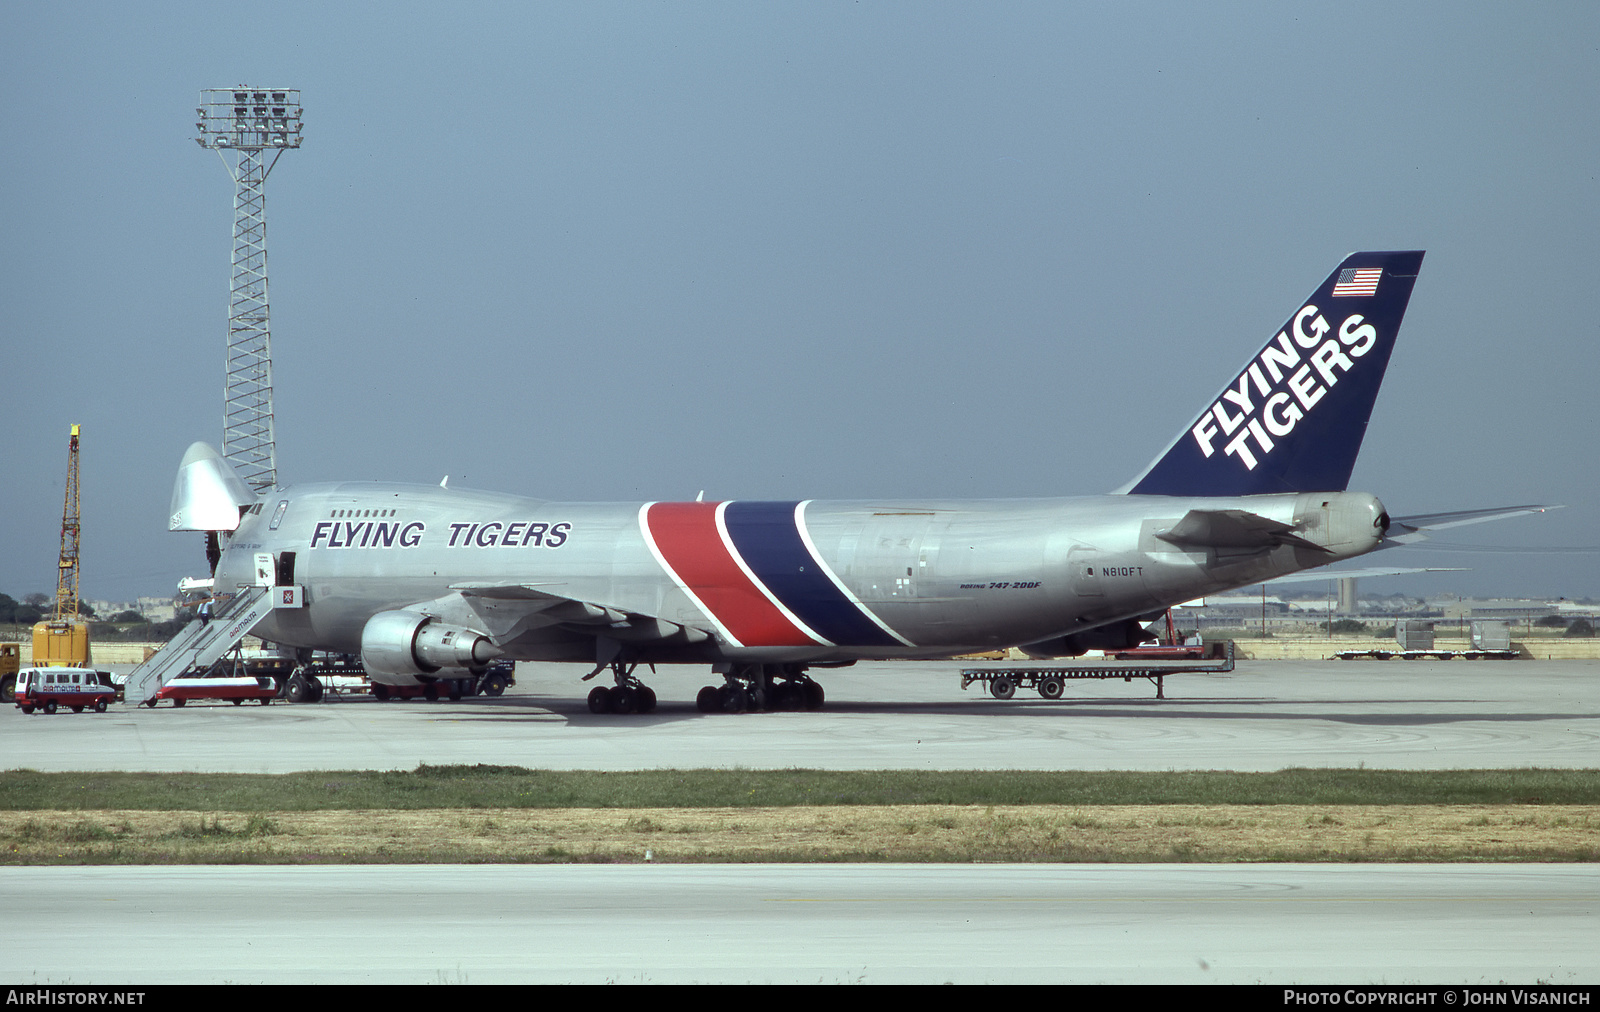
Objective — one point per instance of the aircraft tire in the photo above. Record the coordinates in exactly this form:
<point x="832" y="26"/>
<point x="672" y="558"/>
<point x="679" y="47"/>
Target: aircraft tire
<point x="599" y="699"/>
<point x="455" y="689"/>
<point x="732" y="699"/>
<point x="380" y="691"/>
<point x="647" y="699"/>
<point x="431" y="692"/>
<point x="625" y="699"/>
<point x="1051" y="687"/>
<point x="295" y="690"/>
<point x="1002" y="688"/>
<point x="814" y="696"/>
<point x="706" y="700"/>
<point x="789" y="696"/>
<point x="314" y="684"/>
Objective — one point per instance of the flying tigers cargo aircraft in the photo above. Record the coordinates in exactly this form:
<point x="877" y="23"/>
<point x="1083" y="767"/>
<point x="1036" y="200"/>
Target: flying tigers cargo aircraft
<point x="430" y="584"/>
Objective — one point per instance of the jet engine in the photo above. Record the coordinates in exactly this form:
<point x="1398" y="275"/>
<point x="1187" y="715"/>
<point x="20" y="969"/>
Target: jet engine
<point x="410" y="643"/>
<point x="1116" y="636"/>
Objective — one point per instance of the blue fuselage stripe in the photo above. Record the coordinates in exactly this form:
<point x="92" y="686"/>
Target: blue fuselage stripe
<point x="767" y="538"/>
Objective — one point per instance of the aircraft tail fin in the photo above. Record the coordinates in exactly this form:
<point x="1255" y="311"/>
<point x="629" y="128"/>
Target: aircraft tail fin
<point x="1293" y="418"/>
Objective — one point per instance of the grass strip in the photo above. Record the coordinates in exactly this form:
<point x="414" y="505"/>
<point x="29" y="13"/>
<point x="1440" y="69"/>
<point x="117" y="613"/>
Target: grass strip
<point x="514" y="787"/>
<point x="865" y="833"/>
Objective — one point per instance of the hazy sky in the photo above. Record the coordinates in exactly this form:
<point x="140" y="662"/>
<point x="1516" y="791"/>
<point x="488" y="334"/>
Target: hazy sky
<point x="835" y="250"/>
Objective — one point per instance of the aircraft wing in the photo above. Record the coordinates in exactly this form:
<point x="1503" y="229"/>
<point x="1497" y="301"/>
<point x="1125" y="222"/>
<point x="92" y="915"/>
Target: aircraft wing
<point x="509" y="610"/>
<point x="1409" y="530"/>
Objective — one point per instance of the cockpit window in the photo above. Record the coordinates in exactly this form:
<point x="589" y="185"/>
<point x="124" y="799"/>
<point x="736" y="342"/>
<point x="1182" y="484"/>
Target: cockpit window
<point x="277" y="515"/>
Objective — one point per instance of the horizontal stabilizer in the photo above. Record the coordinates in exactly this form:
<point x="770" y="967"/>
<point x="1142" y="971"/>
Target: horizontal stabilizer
<point x="1318" y="575"/>
<point x="1232" y="529"/>
<point x="1408" y="530"/>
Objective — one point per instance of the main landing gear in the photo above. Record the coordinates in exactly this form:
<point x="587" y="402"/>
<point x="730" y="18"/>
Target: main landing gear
<point x="754" y="687"/>
<point x="629" y="696"/>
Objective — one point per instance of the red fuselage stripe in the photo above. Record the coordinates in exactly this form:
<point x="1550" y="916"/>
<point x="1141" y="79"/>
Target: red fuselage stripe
<point x="687" y="537"/>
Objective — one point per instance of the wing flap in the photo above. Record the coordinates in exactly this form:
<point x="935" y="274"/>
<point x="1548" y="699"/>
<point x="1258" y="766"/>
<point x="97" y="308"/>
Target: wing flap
<point x="512" y="609"/>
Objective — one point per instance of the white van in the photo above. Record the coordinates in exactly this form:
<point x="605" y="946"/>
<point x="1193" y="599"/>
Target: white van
<point x="47" y="688"/>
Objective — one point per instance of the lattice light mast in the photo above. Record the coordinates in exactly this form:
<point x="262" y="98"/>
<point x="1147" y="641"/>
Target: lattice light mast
<point x="242" y="125"/>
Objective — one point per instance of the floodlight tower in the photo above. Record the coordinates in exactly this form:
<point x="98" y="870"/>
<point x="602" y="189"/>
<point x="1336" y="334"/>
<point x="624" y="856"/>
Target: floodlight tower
<point x="242" y="125"/>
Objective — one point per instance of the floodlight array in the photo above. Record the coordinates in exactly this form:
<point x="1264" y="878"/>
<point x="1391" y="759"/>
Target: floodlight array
<point x="249" y="118"/>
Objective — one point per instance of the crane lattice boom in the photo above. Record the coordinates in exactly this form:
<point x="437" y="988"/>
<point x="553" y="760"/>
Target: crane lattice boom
<point x="67" y="576"/>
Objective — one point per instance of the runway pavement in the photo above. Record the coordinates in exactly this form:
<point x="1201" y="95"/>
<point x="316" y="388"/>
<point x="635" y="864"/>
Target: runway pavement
<point x="1263" y="716"/>
<point x="1352" y="924"/>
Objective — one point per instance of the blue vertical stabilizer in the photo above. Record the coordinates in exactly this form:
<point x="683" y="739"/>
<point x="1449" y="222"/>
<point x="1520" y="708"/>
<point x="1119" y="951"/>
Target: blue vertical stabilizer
<point x="1293" y="418"/>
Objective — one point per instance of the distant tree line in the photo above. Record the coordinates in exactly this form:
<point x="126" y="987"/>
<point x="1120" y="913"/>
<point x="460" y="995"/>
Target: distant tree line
<point x="38" y="607"/>
<point x="29" y="610"/>
<point x="1577" y="627"/>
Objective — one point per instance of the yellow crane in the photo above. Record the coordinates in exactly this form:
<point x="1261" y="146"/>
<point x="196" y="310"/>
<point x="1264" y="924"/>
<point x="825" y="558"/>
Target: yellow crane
<point x="62" y="640"/>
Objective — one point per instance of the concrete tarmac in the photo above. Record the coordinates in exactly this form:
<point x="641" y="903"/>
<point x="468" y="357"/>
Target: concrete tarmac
<point x="1352" y="924"/>
<point x="1265" y="715"/>
<point x="1322" y="924"/>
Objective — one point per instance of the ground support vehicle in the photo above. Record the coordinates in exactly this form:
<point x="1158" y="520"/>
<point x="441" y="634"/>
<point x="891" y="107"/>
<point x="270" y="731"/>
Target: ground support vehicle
<point x="338" y="674"/>
<point x="1050" y="682"/>
<point x="10" y="664"/>
<point x="234" y="678"/>
<point x="48" y="689"/>
<point x="236" y="688"/>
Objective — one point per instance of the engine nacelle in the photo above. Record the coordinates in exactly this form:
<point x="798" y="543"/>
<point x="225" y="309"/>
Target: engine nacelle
<point x="410" y="643"/>
<point x="1116" y="636"/>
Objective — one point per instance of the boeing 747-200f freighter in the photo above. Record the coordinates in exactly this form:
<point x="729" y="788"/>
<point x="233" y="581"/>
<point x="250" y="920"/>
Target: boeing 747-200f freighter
<point x="428" y="584"/>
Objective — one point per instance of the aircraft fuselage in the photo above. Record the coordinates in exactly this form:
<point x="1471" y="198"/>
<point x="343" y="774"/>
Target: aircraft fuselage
<point x="810" y="581"/>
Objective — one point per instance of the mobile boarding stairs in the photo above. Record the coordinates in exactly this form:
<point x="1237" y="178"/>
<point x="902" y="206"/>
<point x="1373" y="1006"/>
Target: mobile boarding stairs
<point x="200" y="644"/>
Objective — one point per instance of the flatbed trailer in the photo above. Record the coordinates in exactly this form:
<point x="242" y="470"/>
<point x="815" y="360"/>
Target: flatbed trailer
<point x="1050" y="682"/>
